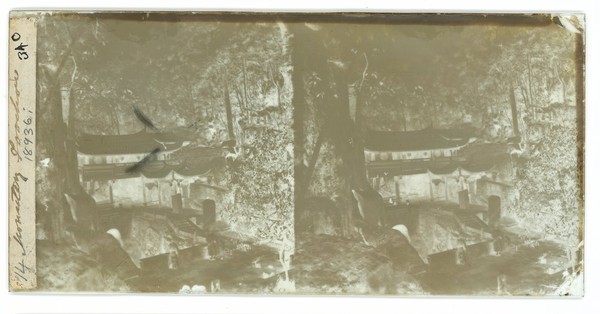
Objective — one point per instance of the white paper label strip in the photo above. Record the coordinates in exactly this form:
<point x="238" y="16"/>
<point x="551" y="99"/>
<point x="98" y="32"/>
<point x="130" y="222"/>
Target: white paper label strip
<point x="21" y="141"/>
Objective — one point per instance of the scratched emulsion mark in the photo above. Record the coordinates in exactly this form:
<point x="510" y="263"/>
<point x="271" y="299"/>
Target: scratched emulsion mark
<point x="144" y="119"/>
<point x="138" y="166"/>
<point x="22" y="64"/>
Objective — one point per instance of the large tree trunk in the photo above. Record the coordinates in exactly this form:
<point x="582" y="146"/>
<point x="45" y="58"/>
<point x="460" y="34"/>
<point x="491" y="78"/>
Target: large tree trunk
<point x="299" y="104"/>
<point x="313" y="161"/>
<point x="72" y="173"/>
<point x="56" y="142"/>
<point x="51" y="134"/>
<point x="344" y="135"/>
<point x="360" y="130"/>
<point x="345" y="157"/>
<point x="348" y="141"/>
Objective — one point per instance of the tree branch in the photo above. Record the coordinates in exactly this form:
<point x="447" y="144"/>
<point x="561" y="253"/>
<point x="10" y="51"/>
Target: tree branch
<point x="364" y="75"/>
<point x="73" y="74"/>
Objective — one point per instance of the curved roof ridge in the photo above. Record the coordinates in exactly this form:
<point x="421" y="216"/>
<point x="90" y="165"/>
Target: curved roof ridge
<point x="415" y="140"/>
<point x="134" y="143"/>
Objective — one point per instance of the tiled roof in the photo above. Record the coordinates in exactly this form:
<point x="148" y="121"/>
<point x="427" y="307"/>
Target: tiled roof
<point x="416" y="140"/>
<point x="136" y="143"/>
<point x="151" y="169"/>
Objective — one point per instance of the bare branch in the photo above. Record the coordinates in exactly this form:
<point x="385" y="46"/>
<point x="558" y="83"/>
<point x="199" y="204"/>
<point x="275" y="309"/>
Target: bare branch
<point x="364" y="75"/>
<point x="73" y="74"/>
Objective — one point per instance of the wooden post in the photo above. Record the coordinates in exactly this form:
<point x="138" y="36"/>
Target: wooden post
<point x="397" y="189"/>
<point x="65" y="97"/>
<point x="209" y="212"/>
<point x="463" y="199"/>
<point x="110" y="191"/>
<point x="159" y="194"/>
<point x="446" y="187"/>
<point x="494" y="210"/>
<point x="144" y="190"/>
<point x="430" y="185"/>
<point x="176" y="203"/>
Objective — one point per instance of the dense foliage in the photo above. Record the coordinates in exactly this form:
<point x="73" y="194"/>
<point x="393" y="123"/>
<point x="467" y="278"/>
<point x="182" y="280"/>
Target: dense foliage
<point x="182" y="76"/>
<point x="410" y="77"/>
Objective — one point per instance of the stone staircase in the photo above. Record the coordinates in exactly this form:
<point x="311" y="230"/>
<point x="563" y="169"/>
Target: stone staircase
<point x="182" y="225"/>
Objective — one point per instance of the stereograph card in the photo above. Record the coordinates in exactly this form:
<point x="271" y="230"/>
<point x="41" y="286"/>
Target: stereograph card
<point x="296" y="153"/>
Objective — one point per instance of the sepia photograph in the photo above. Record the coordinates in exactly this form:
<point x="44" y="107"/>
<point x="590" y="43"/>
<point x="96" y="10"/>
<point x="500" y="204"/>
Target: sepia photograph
<point x="164" y="154"/>
<point x="439" y="155"/>
<point x="296" y="153"/>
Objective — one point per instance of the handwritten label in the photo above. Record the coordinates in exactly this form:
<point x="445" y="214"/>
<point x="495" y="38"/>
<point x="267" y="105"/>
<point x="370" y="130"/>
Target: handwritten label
<point x="21" y="146"/>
